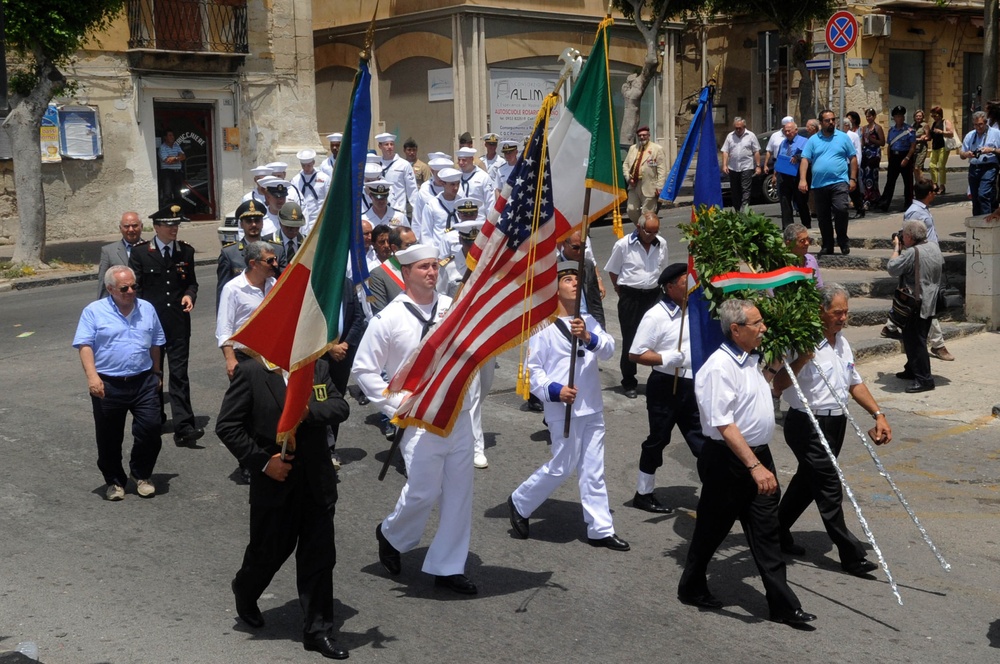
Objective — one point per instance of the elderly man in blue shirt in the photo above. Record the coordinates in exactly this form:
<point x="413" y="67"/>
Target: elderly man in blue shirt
<point x="980" y="148"/>
<point x="119" y="339"/>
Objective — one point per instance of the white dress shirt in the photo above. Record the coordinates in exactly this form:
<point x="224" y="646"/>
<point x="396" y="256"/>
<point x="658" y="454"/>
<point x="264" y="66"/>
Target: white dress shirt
<point x="730" y="389"/>
<point x="399" y="172"/>
<point x="741" y="150"/>
<point x="837" y="364"/>
<point x="636" y="267"/>
<point x="238" y="301"/>
<point x="658" y="331"/>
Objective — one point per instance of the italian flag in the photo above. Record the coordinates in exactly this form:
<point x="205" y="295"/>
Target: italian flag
<point x="736" y="281"/>
<point x="299" y="319"/>
<point x="583" y="146"/>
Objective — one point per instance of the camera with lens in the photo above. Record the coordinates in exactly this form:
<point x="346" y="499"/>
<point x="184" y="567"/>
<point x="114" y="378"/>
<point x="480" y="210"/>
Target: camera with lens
<point x="894" y="236"/>
<point x="977" y="153"/>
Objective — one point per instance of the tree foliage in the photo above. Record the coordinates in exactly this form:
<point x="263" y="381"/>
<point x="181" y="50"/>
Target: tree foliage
<point x="723" y="241"/>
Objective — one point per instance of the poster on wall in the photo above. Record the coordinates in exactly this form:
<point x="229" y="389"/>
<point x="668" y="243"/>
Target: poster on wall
<point x="49" y="135"/>
<point x="440" y="85"/>
<point x="515" y="97"/>
<point x="80" y="137"/>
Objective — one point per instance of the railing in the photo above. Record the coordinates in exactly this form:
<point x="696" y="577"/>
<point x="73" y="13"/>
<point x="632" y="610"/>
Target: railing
<point x="202" y="26"/>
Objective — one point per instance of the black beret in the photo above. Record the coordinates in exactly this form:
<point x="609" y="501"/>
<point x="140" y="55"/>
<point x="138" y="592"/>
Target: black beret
<point x="671" y="272"/>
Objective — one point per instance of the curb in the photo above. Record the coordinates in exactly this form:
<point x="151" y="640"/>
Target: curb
<point x="28" y="283"/>
<point x="870" y="349"/>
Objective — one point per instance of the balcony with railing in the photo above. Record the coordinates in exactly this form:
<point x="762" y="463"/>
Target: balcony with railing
<point x="171" y="33"/>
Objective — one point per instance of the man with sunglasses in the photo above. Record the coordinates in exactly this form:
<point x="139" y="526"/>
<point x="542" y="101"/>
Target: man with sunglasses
<point x="119" y="339"/>
<point x="164" y="270"/>
<point x="242" y="295"/>
<point x="232" y="258"/>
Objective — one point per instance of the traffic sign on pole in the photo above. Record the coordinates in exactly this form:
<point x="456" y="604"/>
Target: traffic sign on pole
<point x="841" y="32"/>
<point x="817" y="64"/>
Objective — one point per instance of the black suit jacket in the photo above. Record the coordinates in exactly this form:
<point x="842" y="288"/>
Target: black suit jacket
<point x="164" y="283"/>
<point x="248" y="425"/>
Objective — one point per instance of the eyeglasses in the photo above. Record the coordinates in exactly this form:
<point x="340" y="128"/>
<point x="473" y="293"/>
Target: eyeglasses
<point x="128" y="287"/>
<point x="271" y="261"/>
<point x="755" y="324"/>
<point x="575" y="247"/>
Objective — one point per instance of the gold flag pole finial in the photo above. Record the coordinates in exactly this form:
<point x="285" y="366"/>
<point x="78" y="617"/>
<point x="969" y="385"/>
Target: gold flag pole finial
<point x="366" y="52"/>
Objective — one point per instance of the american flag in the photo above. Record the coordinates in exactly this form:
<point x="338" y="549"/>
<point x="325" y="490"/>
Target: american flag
<point x="510" y="294"/>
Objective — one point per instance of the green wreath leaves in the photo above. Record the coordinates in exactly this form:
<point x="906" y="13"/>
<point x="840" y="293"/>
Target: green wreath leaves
<point x="723" y="241"/>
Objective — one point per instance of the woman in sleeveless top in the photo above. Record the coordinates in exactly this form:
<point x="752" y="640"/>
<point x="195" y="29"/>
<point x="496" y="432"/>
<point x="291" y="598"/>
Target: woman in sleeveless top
<point x="940" y="129"/>
<point x="872" y="140"/>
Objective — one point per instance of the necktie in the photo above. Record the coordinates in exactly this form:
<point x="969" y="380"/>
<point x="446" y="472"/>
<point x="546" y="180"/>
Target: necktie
<point x="290" y="252"/>
<point x="308" y="186"/>
<point x="166" y="252"/>
<point x="465" y="184"/>
<point x="637" y="166"/>
<point x="426" y="324"/>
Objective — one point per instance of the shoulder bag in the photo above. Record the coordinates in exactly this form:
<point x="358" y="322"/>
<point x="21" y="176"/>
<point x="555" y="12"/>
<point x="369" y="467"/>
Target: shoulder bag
<point x="906" y="303"/>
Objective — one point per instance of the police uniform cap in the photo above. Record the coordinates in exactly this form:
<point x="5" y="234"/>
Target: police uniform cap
<point x="277" y="166"/>
<point x="449" y="174"/>
<point x="508" y="146"/>
<point x="567" y="267"/>
<point x="335" y="137"/>
<point x="491" y="138"/>
<point x="290" y="214"/>
<point x="898" y="110"/>
<point x="249" y="208"/>
<point x="671" y="272"/>
<point x="278" y="187"/>
<point x="468" y="230"/>
<point x="466" y="152"/>
<point x="305" y="156"/>
<point x="260" y="170"/>
<point x="385" y="138"/>
<point x="168" y="216"/>
<point x="440" y="162"/>
<point x="468" y="205"/>
<point x="379" y="188"/>
<point x="416" y="252"/>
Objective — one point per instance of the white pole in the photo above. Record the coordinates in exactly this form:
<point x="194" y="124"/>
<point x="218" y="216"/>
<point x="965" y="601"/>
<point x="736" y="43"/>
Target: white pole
<point x="843" y="82"/>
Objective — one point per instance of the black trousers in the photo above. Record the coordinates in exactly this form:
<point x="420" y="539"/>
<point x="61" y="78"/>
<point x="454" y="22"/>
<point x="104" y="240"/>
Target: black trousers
<point x="788" y="192"/>
<point x="740" y="184"/>
<point x="633" y="303"/>
<point x="666" y="409"/>
<point x="832" y="214"/>
<point x="176" y="353"/>
<point x="728" y="492"/>
<point x="340" y="374"/>
<point x="816" y="480"/>
<point x="918" y="361"/>
<point x="303" y="526"/>
<point x="895" y="169"/>
<point x="136" y="395"/>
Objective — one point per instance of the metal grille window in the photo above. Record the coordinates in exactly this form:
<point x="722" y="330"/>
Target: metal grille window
<point x="213" y="26"/>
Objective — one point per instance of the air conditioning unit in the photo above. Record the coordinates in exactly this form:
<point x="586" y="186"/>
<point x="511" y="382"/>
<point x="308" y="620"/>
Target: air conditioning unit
<point x="876" y="25"/>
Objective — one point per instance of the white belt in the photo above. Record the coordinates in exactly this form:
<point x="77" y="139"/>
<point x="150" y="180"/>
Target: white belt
<point x="832" y="412"/>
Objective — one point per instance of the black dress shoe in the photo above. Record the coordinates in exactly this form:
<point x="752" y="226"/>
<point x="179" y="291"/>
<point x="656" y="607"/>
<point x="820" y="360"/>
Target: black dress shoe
<point x="535" y="404"/>
<point x="325" y="646"/>
<point x="631" y="393"/>
<point x="917" y="386"/>
<point x="458" y="583"/>
<point x="188" y="436"/>
<point x="826" y="252"/>
<point x="891" y="333"/>
<point x="647" y="502"/>
<point x="247" y="610"/>
<point x="860" y="568"/>
<point x="612" y="542"/>
<point x="517" y="522"/>
<point x="705" y="600"/>
<point x="387" y="553"/>
<point x="362" y="400"/>
<point x="860" y="214"/>
<point x="905" y="375"/>
<point x="389" y="431"/>
<point x="844" y="251"/>
<point x="798" y="619"/>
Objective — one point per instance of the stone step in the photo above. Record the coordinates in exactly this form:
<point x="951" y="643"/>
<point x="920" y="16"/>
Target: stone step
<point x="953" y="245"/>
<point x="867" y="311"/>
<point x="876" y="260"/>
<point x="874" y="284"/>
<point x="868" y="343"/>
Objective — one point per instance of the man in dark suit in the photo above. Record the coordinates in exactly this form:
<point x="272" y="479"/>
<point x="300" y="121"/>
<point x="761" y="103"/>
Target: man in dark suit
<point x="292" y="500"/>
<point x="232" y="258"/>
<point x="164" y="272"/>
<point x="117" y="253"/>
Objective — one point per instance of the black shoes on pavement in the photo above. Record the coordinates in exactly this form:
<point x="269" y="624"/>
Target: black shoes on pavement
<point x="247" y="610"/>
<point x="325" y="646"/>
<point x="647" y="502"/>
<point x="387" y="553"/>
<point x="517" y="522"/>
<point x="612" y="542"/>
<point x="457" y="583"/>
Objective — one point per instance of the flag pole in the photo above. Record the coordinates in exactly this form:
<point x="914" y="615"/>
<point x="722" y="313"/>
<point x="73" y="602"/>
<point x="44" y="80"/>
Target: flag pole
<point x="680" y="341"/>
<point x="579" y="298"/>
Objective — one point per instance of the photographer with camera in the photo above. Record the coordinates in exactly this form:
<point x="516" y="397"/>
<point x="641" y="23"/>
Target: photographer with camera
<point x="980" y="148"/>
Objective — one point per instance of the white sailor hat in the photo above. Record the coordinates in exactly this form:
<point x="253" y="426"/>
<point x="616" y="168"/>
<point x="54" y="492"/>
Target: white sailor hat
<point x="466" y="152"/>
<point x="416" y="252"/>
<point x="379" y="188"/>
<point x="440" y="162"/>
<point x="437" y="155"/>
<point x="468" y="205"/>
<point x="468" y="230"/>
<point x="335" y="137"/>
<point x="373" y="158"/>
<point x="785" y="120"/>
<point x="449" y="174"/>
<point x="260" y="170"/>
<point x="267" y="179"/>
<point x="385" y="138"/>
<point x="305" y="156"/>
<point x="372" y="171"/>
<point x="278" y="166"/>
<point x="507" y="146"/>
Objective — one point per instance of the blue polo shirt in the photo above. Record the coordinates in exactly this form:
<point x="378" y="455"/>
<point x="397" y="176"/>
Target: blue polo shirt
<point x="121" y="343"/>
<point x="829" y="157"/>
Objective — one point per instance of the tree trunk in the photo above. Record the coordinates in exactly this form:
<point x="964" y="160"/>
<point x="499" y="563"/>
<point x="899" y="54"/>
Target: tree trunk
<point x="990" y="50"/>
<point x="23" y="125"/>
<point x="635" y="85"/>
<point x="805" y="93"/>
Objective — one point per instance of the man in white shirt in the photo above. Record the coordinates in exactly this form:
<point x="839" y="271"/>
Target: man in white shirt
<point x="439" y="469"/>
<point x="257" y="192"/>
<point x="634" y="267"/>
<point x="475" y="182"/>
<point x="490" y="142"/>
<point x="334" y="140"/>
<point x="279" y="169"/>
<point x="241" y="296"/>
<point x="276" y="193"/>
<point x="431" y="188"/>
<point x="438" y="215"/>
<point x="398" y="172"/>
<point x="663" y="342"/>
<point x="773" y="144"/>
<point x="500" y="170"/>
<point x="380" y="212"/>
<point x="549" y="361"/>
<point x="740" y="161"/>
<point x="312" y="187"/>
<point x="827" y="376"/>
<point x="736" y="467"/>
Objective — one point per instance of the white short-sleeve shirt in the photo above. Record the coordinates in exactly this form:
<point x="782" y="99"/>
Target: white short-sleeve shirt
<point x="730" y="389"/>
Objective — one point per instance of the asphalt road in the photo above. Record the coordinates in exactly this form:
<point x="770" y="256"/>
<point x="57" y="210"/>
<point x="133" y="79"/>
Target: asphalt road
<point x="148" y="580"/>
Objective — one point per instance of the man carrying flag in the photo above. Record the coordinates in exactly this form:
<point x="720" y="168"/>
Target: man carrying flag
<point x="439" y="468"/>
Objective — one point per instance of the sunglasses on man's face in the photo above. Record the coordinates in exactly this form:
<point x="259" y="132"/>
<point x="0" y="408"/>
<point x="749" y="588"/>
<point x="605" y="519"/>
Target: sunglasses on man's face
<point x="127" y="288"/>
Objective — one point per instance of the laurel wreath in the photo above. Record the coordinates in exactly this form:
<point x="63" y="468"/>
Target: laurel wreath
<point x="722" y="241"/>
